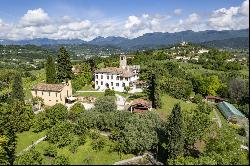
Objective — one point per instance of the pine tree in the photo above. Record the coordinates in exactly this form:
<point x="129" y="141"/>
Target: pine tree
<point x="175" y="133"/>
<point x="64" y="67"/>
<point x="17" y="88"/>
<point x="50" y="71"/>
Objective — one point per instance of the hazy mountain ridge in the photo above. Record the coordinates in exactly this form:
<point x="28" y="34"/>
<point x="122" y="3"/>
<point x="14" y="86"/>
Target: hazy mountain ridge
<point x="238" y="42"/>
<point x="149" y="40"/>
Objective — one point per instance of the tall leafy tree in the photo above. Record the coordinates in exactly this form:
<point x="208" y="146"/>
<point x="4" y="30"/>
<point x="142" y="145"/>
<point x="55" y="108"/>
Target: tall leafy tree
<point x="64" y="66"/>
<point x="7" y="136"/>
<point x="175" y="133"/>
<point x="3" y="153"/>
<point x="17" y="88"/>
<point x="154" y="91"/>
<point x="50" y="71"/>
<point x="105" y="104"/>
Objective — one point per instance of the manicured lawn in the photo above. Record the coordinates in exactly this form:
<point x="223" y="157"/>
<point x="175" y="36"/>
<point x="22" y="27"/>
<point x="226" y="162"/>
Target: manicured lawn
<point x="94" y="94"/>
<point x="136" y="96"/>
<point x="26" y="138"/>
<point x="87" y="88"/>
<point x="85" y="152"/>
<point x="168" y="103"/>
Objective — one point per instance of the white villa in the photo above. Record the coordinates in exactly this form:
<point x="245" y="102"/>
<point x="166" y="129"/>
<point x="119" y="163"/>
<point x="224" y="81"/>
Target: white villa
<point x="201" y="51"/>
<point x="117" y="78"/>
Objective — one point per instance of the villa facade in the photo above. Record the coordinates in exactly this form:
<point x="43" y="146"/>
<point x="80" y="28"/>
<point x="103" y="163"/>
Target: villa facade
<point x="118" y="78"/>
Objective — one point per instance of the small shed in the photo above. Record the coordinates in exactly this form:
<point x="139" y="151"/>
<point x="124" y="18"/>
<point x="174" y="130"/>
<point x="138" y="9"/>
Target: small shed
<point x="140" y="105"/>
<point x="230" y="112"/>
<point x="214" y="99"/>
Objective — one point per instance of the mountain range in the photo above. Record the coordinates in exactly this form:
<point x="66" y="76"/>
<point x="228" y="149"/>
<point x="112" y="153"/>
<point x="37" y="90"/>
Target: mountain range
<point x="148" y="40"/>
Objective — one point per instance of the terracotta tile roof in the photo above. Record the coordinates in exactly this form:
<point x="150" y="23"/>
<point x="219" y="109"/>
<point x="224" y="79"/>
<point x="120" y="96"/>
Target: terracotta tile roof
<point x="214" y="97"/>
<point x="141" y="102"/>
<point x="115" y="70"/>
<point x="48" y="87"/>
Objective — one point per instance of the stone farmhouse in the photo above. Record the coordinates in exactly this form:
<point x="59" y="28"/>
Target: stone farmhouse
<point x="53" y="93"/>
<point x="117" y="78"/>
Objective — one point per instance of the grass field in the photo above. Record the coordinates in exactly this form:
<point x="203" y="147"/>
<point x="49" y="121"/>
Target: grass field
<point x="26" y="138"/>
<point x="83" y="153"/>
<point x="168" y="103"/>
<point x="93" y="94"/>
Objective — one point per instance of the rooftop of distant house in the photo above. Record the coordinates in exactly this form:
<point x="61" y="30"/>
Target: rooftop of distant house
<point x="214" y="97"/>
<point x="142" y="102"/>
<point x="116" y="70"/>
<point x="49" y="87"/>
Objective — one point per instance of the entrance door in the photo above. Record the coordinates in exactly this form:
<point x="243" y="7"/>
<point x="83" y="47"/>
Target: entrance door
<point x="107" y="85"/>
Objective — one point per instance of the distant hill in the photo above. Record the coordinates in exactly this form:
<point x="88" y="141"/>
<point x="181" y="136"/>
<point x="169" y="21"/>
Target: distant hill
<point x="149" y="40"/>
<point x="41" y="41"/>
<point x="239" y="42"/>
<point x="108" y="41"/>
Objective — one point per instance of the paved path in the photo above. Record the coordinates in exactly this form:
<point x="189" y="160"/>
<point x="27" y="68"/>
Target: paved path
<point x="36" y="112"/>
<point x="151" y="158"/>
<point x="34" y="144"/>
<point x="217" y="118"/>
<point x="122" y="162"/>
<point x="120" y="101"/>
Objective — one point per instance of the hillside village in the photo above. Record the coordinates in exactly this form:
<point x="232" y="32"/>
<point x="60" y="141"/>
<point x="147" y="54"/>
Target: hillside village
<point x="97" y="107"/>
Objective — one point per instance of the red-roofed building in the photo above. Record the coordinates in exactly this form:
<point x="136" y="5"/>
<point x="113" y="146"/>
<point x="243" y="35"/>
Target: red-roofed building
<point x="214" y="99"/>
<point x="140" y="105"/>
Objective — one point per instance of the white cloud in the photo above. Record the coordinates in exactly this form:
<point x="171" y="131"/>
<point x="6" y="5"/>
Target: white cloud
<point x="34" y="17"/>
<point x="231" y="18"/>
<point x="37" y="23"/>
<point x="77" y="26"/>
<point x="244" y="9"/>
<point x="177" y="12"/>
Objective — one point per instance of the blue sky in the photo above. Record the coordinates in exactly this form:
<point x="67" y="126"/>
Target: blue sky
<point x="109" y="8"/>
<point x="129" y="18"/>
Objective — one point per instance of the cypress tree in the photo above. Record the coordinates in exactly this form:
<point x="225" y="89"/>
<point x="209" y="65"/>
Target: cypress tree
<point x="175" y="133"/>
<point x="154" y="92"/>
<point x="50" y="71"/>
<point x="64" y="66"/>
<point x="17" y="88"/>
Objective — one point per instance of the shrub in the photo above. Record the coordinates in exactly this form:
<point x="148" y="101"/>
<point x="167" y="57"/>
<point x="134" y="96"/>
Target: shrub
<point x="77" y="108"/>
<point x="61" y="134"/>
<point x="60" y="160"/>
<point x="98" y="144"/>
<point x="198" y="98"/>
<point x="105" y="104"/>
<point x="57" y="113"/>
<point x="50" y="151"/>
<point x="94" y="135"/>
<point x="109" y="92"/>
<point x="81" y="140"/>
<point x="32" y="157"/>
<point x="73" y="146"/>
<point x="41" y="122"/>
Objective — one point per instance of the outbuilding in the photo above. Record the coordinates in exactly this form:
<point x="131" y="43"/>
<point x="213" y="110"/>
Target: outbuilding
<point x="230" y="112"/>
<point x="140" y="105"/>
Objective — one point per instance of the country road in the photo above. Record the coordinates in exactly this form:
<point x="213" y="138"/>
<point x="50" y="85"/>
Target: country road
<point x="120" y="102"/>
